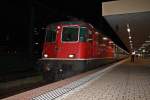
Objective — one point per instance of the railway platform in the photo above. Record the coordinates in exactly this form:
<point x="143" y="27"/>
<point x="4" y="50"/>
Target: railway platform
<point x="120" y="81"/>
<point x="128" y="81"/>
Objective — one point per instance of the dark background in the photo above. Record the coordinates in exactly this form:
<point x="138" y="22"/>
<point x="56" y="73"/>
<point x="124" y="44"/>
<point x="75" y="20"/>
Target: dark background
<point x="23" y="23"/>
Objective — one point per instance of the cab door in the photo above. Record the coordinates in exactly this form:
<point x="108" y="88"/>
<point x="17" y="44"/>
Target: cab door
<point x="67" y="41"/>
<point x="85" y="43"/>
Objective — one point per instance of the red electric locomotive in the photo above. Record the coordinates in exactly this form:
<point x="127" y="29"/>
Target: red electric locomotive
<point x="72" y="47"/>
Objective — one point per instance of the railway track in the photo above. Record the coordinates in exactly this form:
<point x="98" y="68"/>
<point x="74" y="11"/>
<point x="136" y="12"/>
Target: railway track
<point x="21" y="85"/>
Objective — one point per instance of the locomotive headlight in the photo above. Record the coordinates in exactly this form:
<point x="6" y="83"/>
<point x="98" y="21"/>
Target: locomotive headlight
<point x="71" y="56"/>
<point x="45" y="55"/>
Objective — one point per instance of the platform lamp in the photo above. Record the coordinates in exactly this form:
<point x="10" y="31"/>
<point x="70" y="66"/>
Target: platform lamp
<point x="130" y="38"/>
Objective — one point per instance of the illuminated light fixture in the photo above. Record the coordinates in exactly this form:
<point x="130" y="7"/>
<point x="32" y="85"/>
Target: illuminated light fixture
<point x="147" y="41"/>
<point x="133" y="52"/>
<point x="110" y="42"/>
<point x="130" y="41"/>
<point x="128" y="29"/>
<point x="45" y="55"/>
<point x="130" y="37"/>
<point x="71" y="56"/>
<point x="58" y="27"/>
<point x="105" y="38"/>
<point x="139" y="55"/>
<point x="96" y="33"/>
<point x="143" y="50"/>
<point x="36" y="43"/>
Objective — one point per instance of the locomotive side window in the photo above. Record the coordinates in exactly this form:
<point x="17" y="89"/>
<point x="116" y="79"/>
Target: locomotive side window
<point x="83" y="34"/>
<point x="70" y="34"/>
<point x="51" y="36"/>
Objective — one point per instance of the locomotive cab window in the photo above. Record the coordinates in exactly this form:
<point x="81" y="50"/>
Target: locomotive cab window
<point x="51" y="35"/>
<point x="70" y="34"/>
<point x="85" y="35"/>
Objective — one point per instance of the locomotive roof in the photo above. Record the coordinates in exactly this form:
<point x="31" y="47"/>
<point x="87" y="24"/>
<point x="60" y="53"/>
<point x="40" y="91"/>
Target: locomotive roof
<point x="81" y="23"/>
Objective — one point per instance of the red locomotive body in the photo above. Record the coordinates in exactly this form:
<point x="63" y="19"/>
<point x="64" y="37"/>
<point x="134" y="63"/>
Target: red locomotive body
<point x="73" y="47"/>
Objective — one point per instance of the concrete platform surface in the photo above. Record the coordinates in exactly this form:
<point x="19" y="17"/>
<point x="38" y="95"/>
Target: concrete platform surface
<point x="128" y="81"/>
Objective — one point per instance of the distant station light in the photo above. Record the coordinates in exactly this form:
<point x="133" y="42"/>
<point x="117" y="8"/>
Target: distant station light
<point x="110" y="42"/>
<point x="96" y="32"/>
<point x="105" y="38"/>
<point x="128" y="29"/>
<point x="133" y="52"/>
<point x="36" y="43"/>
<point x="130" y="37"/>
<point x="143" y="50"/>
<point x="147" y="41"/>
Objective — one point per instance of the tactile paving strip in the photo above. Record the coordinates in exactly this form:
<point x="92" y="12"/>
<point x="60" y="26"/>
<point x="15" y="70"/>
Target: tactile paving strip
<point x="53" y="94"/>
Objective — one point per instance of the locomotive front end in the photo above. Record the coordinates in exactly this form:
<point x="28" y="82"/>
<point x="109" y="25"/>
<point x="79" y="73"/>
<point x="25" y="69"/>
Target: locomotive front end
<point x="61" y="50"/>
